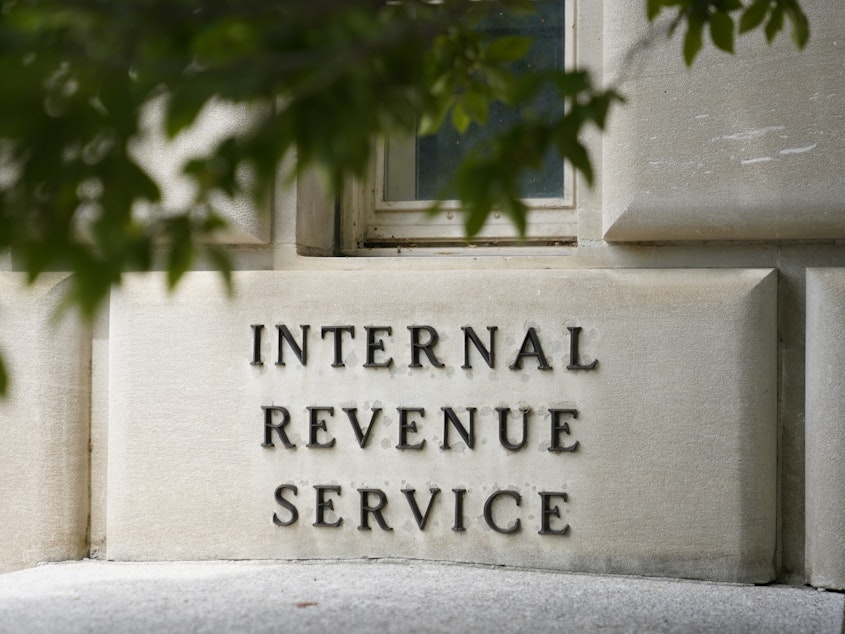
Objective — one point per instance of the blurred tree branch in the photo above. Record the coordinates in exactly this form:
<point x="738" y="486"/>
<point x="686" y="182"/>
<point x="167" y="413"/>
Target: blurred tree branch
<point x="77" y="74"/>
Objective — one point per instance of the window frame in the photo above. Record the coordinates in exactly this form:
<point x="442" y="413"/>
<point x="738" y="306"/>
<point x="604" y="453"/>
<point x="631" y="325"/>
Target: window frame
<point x="371" y="224"/>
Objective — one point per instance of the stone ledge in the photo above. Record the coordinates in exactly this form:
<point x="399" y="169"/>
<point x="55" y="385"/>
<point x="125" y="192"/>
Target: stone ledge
<point x="391" y="596"/>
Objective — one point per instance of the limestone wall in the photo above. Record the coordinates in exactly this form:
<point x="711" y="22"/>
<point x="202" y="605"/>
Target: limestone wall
<point x="44" y="488"/>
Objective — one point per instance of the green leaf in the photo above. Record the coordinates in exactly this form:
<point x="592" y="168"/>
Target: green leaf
<point x="754" y="15"/>
<point x="693" y="40"/>
<point x="477" y="215"/>
<point x="653" y="9"/>
<point x="722" y="31"/>
<point x="460" y="119"/>
<point x="800" y="25"/>
<point x="475" y="106"/>
<point x="507" y="49"/>
<point x="4" y="378"/>
<point x="431" y="120"/>
<point x="579" y="157"/>
<point x="442" y="85"/>
<point x="600" y="106"/>
<point x="181" y="253"/>
<point x="517" y="211"/>
<point x="570" y="83"/>
<point x="775" y="23"/>
<point x="182" y="109"/>
<point x="473" y="181"/>
<point x="523" y="6"/>
<point x="220" y="260"/>
<point x="501" y="81"/>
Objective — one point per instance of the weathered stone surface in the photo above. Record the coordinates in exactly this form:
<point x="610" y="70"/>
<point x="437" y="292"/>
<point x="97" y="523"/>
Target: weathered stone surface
<point x="673" y="473"/>
<point x="737" y="147"/>
<point x="44" y="453"/>
<point x="163" y="158"/>
<point x="401" y="597"/>
<point x="825" y="431"/>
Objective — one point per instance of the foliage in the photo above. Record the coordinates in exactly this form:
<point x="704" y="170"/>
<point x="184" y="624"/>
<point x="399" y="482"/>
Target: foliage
<point x="719" y="16"/>
<point x="325" y="77"/>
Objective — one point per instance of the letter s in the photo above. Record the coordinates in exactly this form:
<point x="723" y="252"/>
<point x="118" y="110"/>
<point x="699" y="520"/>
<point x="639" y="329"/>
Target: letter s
<point x="286" y="504"/>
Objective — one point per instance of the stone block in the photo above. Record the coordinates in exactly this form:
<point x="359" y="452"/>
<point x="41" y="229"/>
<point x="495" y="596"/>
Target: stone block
<point x="825" y="428"/>
<point x="737" y="147"/>
<point x="352" y="414"/>
<point x="163" y="159"/>
<point x="44" y="454"/>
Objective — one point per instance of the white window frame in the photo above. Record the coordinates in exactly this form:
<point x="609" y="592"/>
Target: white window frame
<point x="371" y="224"/>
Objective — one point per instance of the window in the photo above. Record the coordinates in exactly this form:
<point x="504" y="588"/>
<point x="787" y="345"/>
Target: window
<point x="389" y="211"/>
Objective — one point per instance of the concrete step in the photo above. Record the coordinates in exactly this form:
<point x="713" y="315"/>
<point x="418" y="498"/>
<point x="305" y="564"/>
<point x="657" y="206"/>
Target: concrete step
<point x="390" y="596"/>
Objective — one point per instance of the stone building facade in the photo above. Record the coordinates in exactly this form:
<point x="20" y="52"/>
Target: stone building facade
<point x="653" y="388"/>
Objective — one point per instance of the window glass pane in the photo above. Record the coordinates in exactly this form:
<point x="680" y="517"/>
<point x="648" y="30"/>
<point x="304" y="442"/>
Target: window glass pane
<point x="422" y="171"/>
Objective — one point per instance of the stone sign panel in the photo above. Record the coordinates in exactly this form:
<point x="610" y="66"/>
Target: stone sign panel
<point x="612" y="421"/>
